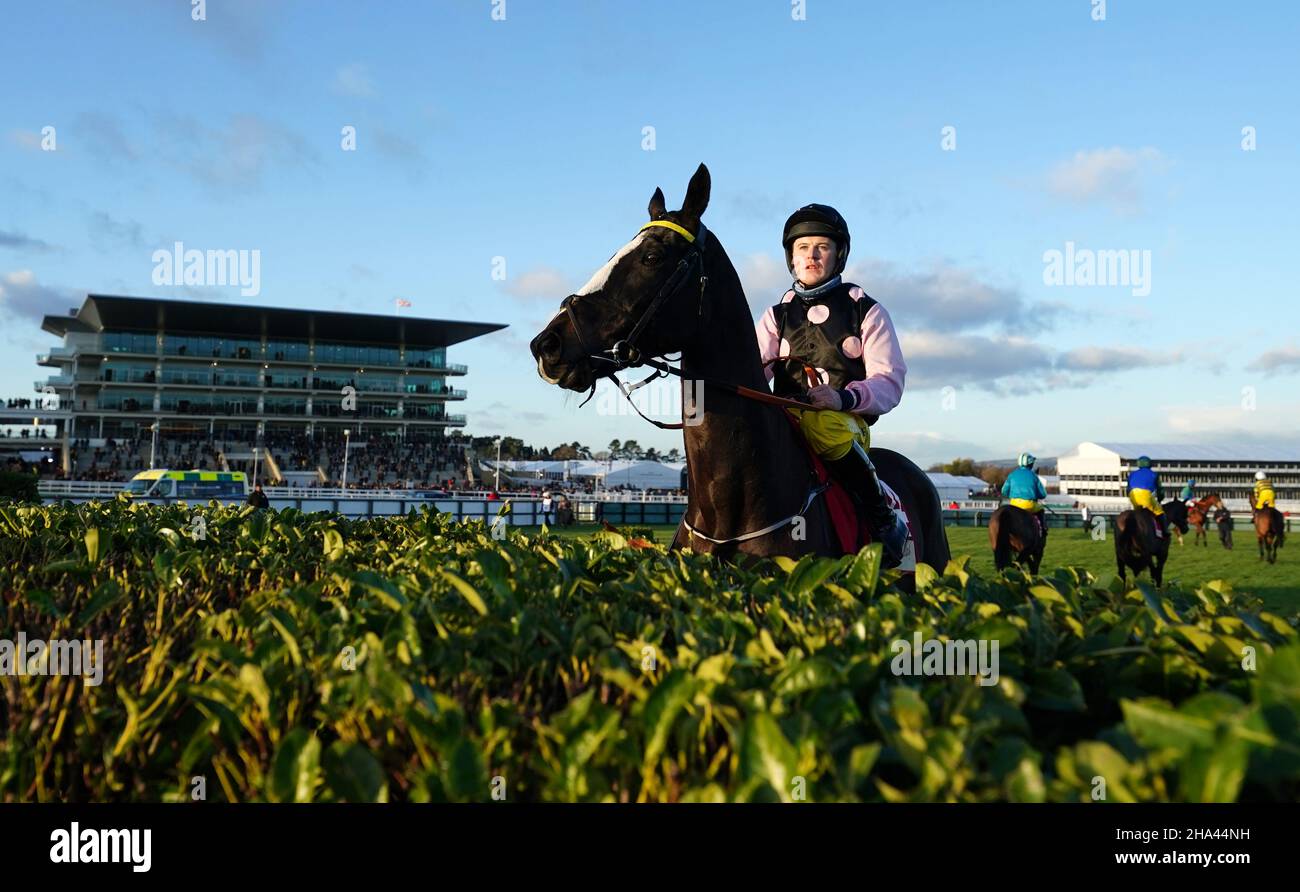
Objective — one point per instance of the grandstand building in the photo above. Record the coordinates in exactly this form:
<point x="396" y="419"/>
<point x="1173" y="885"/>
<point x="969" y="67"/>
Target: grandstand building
<point x="1097" y="472"/>
<point x="248" y="375"/>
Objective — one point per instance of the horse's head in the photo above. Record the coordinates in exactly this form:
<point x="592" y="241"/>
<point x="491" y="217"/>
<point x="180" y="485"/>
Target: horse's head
<point x="646" y="301"/>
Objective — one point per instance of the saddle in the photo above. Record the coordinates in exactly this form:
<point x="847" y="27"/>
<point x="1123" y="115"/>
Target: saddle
<point x="851" y="528"/>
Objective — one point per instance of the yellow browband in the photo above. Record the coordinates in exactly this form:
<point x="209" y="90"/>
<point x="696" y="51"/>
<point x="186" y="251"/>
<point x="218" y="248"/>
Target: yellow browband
<point x="668" y="224"/>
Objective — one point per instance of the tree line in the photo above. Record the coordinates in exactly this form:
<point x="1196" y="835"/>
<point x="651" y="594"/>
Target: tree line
<point x="515" y="449"/>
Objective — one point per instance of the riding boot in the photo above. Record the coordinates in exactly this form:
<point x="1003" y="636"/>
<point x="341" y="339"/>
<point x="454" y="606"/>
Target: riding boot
<point x="858" y="475"/>
<point x="1162" y="522"/>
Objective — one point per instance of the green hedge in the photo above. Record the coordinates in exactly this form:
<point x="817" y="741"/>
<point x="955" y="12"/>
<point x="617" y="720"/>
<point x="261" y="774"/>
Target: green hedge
<point x="285" y="656"/>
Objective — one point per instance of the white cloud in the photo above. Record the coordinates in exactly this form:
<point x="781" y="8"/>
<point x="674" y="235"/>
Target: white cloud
<point x="1281" y="360"/>
<point x="1111" y="177"/>
<point x="1113" y="359"/>
<point x="23" y="299"/>
<point x="539" y="282"/>
<point x="937" y="359"/>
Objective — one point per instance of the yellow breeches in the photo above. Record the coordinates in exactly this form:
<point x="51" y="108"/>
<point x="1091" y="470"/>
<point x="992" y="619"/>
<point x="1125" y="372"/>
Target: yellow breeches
<point x="1029" y="505"/>
<point x="832" y="433"/>
<point x="1265" y="499"/>
<point x="1145" y="498"/>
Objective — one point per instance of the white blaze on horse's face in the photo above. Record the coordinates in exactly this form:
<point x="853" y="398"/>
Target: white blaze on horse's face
<point x="601" y="276"/>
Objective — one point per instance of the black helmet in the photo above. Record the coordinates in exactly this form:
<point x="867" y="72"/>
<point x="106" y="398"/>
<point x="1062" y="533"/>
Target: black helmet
<point x="817" y="219"/>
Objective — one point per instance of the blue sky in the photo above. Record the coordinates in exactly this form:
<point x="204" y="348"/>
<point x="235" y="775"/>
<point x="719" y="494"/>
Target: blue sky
<point x="523" y="139"/>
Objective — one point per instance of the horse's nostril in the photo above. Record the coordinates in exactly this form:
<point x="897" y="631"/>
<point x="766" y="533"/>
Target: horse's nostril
<point x="548" y="345"/>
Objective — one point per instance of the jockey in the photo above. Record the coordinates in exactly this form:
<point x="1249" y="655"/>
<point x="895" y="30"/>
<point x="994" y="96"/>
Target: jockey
<point x="1264" y="496"/>
<point x="848" y="338"/>
<point x="1024" y="489"/>
<point x="1188" y="495"/>
<point x="1145" y="491"/>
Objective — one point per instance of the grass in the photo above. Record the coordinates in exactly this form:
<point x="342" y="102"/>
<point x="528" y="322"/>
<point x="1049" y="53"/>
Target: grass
<point x="1278" y="584"/>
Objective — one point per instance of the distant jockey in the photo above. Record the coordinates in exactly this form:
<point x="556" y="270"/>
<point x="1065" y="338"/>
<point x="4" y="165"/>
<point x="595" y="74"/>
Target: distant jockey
<point x="1264" y="496"/>
<point x="1188" y="495"/>
<point x="1024" y="489"/>
<point x="1145" y="491"/>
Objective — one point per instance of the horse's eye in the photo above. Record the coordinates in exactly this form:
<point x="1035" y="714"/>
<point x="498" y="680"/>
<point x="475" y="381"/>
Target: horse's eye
<point x="652" y="259"/>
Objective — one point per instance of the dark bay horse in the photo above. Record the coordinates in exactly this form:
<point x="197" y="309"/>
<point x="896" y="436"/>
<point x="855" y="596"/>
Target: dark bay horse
<point x="750" y="479"/>
<point x="1014" y="536"/>
<point x="1269" y="531"/>
<point x="1138" y="548"/>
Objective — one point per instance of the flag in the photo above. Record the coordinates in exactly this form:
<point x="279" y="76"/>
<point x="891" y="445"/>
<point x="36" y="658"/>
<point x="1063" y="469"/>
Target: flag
<point x="403" y="303"/>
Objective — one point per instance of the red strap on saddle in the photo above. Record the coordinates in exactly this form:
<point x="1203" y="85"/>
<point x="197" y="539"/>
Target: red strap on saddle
<point x="852" y="533"/>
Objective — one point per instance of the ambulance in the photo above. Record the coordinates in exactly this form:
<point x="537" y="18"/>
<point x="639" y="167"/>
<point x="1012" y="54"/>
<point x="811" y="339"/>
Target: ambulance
<point x="189" y="486"/>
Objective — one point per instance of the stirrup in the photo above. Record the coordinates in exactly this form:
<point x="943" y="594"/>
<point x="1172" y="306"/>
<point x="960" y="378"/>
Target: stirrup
<point x="893" y="542"/>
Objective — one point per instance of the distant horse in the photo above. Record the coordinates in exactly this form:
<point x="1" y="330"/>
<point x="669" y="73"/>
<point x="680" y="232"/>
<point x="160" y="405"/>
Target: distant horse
<point x="1196" y="515"/>
<point x="1138" y="548"/>
<point x="1269" y="531"/>
<point x="1014" y="536"/>
<point x="751" y="490"/>
<point x="1199" y="517"/>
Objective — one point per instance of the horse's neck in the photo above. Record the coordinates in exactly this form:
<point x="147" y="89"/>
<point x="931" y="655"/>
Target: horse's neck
<point x="742" y="463"/>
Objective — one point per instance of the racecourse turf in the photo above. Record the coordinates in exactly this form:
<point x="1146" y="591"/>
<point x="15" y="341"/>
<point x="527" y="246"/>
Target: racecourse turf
<point x="1278" y="584"/>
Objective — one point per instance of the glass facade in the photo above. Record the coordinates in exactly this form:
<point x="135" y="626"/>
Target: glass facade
<point x="296" y="379"/>
<point x="288" y="351"/>
<point x="125" y="401"/>
<point x="333" y="381"/>
<point x="276" y="405"/>
<point x="130" y="342"/>
<point x="355" y="354"/>
<point x="236" y="377"/>
<point x="423" y="384"/>
<point x="202" y="374"/>
<point x="377" y="383"/>
<point x="187" y="376"/>
<point x="426" y="357"/>
<point x="133" y="373"/>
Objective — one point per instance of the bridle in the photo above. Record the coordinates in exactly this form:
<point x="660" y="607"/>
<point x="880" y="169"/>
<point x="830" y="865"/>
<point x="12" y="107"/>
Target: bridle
<point x="625" y="354"/>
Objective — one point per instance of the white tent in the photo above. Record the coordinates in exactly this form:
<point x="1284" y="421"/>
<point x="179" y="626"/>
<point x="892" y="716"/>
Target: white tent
<point x="952" y="488"/>
<point x="643" y="474"/>
<point x="637" y="474"/>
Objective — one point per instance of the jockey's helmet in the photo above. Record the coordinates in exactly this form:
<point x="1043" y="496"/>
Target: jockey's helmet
<point x="1260" y="475"/>
<point x="1144" y="461"/>
<point x="817" y="219"/>
<point x="1026" y="460"/>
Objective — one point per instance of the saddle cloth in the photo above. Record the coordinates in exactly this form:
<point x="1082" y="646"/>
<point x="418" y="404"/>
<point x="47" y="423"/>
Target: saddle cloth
<point x="852" y="533"/>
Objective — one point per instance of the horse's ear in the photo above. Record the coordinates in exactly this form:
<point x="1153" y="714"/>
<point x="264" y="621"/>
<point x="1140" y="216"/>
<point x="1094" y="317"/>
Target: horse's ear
<point x="657" y="206"/>
<point x="697" y="194"/>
